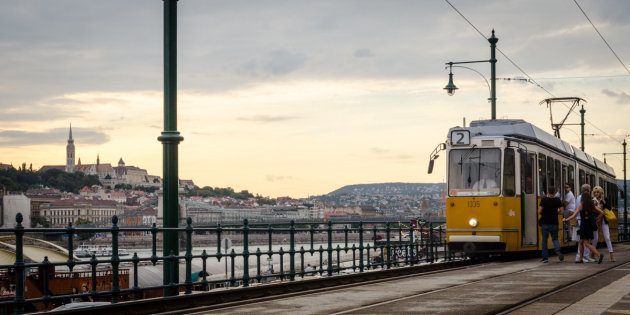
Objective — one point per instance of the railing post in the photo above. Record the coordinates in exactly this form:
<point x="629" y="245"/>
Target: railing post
<point x="93" y="263"/>
<point x="292" y="251"/>
<point x="19" y="265"/>
<point x="281" y="253"/>
<point x="361" y="266"/>
<point x="135" y="259"/>
<point x="258" y="275"/>
<point x="245" y="253"/>
<point x="233" y="271"/>
<point x="189" y="231"/>
<point x="302" y="252"/>
<point x="410" y="250"/>
<point x="154" y="230"/>
<point x="115" y="261"/>
<point x="204" y="257"/>
<point x="219" y="255"/>
<point x="330" y="249"/>
<point x="388" y="245"/>
<point x="46" y="266"/>
<point x="431" y="241"/>
<point x="70" y="231"/>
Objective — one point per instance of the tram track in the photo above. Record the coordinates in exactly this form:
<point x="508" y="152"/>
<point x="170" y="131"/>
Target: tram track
<point x="561" y="289"/>
<point x="226" y="306"/>
<point x="531" y="270"/>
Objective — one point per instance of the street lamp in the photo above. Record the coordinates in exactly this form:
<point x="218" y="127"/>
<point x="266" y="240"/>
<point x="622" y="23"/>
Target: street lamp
<point x="450" y="87"/>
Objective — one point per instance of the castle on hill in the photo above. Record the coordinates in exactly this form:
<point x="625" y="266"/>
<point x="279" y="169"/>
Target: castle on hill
<point x="108" y="175"/>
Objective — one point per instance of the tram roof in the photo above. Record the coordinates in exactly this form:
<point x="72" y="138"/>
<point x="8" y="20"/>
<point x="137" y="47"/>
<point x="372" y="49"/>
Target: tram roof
<point x="522" y="129"/>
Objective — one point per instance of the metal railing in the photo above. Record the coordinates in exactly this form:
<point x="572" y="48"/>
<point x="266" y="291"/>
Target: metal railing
<point x="332" y="247"/>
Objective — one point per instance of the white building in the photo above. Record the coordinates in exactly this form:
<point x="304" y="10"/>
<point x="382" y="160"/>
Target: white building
<point x="10" y="206"/>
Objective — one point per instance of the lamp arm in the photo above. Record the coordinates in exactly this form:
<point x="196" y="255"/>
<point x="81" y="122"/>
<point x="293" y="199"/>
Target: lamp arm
<point x="479" y="73"/>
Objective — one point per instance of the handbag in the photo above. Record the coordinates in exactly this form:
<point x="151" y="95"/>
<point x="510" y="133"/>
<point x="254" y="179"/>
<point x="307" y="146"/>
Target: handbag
<point x="574" y="234"/>
<point x="609" y="215"/>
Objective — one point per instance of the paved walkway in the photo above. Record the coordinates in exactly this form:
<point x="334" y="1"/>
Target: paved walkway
<point x="477" y="290"/>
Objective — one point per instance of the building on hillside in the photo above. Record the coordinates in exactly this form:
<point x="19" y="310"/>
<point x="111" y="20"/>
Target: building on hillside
<point x="107" y="174"/>
<point x="61" y="212"/>
<point x="187" y="183"/>
<point x="10" y="206"/>
<point x="5" y="167"/>
<point x="39" y="197"/>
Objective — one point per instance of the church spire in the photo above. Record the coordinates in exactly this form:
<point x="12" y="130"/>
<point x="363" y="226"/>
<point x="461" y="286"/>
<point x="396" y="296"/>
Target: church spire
<point x="70" y="152"/>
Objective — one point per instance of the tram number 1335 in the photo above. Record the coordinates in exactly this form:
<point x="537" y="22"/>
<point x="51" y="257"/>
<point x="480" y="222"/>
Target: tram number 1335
<point x="474" y="204"/>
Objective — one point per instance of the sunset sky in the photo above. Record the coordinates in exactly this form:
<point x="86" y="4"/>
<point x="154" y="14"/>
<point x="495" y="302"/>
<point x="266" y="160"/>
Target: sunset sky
<point x="299" y="98"/>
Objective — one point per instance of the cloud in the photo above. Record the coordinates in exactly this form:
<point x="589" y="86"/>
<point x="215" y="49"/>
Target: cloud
<point x="276" y="178"/>
<point x="275" y="63"/>
<point x="387" y="154"/>
<point x="57" y="135"/>
<point x="622" y="98"/>
<point x="363" y="53"/>
<point x="264" y="119"/>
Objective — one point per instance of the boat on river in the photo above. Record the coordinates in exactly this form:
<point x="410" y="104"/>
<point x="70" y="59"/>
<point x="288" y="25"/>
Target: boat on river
<point x="97" y="250"/>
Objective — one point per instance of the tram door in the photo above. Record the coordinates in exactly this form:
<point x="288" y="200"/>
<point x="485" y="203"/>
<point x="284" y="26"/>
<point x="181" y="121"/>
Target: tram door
<point x="566" y="235"/>
<point x="529" y="201"/>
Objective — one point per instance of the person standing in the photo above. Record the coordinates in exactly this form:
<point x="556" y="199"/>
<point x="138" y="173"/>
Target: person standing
<point x="549" y="209"/>
<point x="569" y="208"/>
<point x="585" y="189"/>
<point x="588" y="212"/>
<point x="602" y="203"/>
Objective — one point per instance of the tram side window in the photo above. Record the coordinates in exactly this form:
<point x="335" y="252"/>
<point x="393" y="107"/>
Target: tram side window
<point x="509" y="178"/>
<point x="582" y="181"/>
<point x="557" y="176"/>
<point x="474" y="172"/>
<point x="550" y="180"/>
<point x="542" y="174"/>
<point x="592" y="180"/>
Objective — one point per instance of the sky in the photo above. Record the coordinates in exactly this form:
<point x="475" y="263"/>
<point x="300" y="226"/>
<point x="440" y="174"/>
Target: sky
<point x="299" y="98"/>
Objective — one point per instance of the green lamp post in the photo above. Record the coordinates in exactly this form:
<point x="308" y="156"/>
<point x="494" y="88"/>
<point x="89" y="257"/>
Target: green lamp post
<point x="170" y="139"/>
<point x="450" y="87"/>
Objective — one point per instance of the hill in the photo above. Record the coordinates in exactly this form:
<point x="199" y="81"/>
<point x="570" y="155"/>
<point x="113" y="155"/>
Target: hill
<point x="388" y="189"/>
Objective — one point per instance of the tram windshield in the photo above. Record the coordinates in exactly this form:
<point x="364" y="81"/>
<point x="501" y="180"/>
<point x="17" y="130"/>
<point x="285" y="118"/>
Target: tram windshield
<point x="474" y="172"/>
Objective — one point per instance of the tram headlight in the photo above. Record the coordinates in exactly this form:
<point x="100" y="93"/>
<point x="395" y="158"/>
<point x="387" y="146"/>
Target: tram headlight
<point x="473" y="222"/>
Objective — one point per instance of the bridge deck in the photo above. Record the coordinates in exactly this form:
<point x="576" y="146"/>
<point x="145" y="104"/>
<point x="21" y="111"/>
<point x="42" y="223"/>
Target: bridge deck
<point x="487" y="288"/>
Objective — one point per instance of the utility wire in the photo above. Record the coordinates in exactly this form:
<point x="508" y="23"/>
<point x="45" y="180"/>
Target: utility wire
<point x="602" y="36"/>
<point x="527" y="75"/>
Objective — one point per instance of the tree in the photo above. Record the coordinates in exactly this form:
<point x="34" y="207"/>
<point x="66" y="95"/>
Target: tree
<point x="83" y="235"/>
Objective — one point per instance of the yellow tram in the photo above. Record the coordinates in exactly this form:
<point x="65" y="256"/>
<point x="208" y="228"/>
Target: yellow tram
<point x="497" y="172"/>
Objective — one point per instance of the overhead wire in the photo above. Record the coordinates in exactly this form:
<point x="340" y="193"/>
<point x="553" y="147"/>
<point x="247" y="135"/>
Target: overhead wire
<point x="602" y="36"/>
<point x="527" y="75"/>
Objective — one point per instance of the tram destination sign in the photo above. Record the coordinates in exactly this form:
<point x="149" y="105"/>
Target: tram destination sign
<point x="460" y="137"/>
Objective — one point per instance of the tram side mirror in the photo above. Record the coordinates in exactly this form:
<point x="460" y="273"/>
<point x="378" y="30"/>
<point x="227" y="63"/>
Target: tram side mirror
<point x="431" y="166"/>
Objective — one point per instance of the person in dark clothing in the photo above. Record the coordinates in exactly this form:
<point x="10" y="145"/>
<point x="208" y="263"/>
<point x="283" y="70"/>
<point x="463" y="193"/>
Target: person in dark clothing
<point x="588" y="214"/>
<point x="549" y="209"/>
